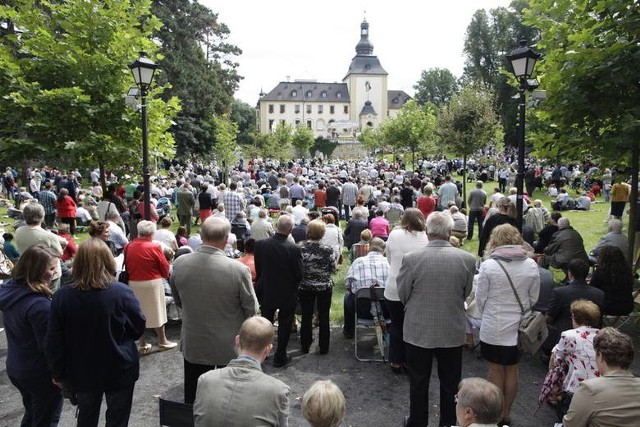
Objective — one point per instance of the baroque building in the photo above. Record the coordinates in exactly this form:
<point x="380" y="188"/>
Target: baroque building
<point x="338" y="111"/>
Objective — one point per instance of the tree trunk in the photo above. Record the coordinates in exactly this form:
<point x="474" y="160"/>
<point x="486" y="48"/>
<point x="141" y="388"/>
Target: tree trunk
<point x="464" y="181"/>
<point x="633" y="201"/>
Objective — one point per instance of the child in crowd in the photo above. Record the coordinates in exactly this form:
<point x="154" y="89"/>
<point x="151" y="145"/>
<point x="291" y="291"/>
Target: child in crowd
<point x="9" y="250"/>
<point x="71" y="248"/>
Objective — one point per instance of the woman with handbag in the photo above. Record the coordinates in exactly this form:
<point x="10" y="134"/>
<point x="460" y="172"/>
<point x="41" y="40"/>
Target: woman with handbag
<point x="507" y="279"/>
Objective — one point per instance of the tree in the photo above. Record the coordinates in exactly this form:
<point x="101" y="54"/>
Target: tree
<point x="324" y="146"/>
<point x="199" y="64"/>
<point x="282" y="139"/>
<point x="412" y="129"/>
<point x="373" y="139"/>
<point x="245" y="116"/>
<point x="225" y="133"/>
<point x="62" y="81"/>
<point x="490" y="36"/>
<point x="302" y="140"/>
<point x="467" y="123"/>
<point x="590" y="66"/>
<point x="436" y="86"/>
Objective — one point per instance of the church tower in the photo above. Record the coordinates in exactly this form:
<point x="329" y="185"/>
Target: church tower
<point x="367" y="83"/>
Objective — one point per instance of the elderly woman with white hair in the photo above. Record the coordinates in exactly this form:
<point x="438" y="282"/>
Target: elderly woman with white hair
<point x="147" y="266"/>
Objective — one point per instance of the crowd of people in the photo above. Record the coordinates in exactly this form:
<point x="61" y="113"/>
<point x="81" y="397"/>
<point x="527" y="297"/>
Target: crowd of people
<point x="269" y="241"/>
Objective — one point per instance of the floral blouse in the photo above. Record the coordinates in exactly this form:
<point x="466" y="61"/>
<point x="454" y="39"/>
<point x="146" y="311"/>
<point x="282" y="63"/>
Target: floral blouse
<point x="576" y="347"/>
<point x="319" y="264"/>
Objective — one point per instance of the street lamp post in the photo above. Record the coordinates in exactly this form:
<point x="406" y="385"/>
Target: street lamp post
<point x="523" y="60"/>
<point x="143" y="69"/>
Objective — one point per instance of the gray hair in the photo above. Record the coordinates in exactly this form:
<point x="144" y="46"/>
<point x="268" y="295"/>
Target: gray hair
<point x="215" y="229"/>
<point x="439" y="224"/>
<point x="615" y="225"/>
<point x="146" y="228"/>
<point x="284" y="224"/>
<point x="483" y="397"/>
<point x="377" y="245"/>
<point x="33" y="213"/>
<point x="563" y="222"/>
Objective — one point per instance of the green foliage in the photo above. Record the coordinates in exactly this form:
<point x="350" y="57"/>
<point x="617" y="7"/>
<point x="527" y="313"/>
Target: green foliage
<point x="590" y="69"/>
<point x="245" y="116"/>
<point x="282" y="139"/>
<point x="226" y="133"/>
<point x="63" y="80"/>
<point x="490" y="36"/>
<point x="324" y="146"/>
<point x="302" y="140"/>
<point x="199" y="64"/>
<point x="436" y="86"/>
<point x="412" y="129"/>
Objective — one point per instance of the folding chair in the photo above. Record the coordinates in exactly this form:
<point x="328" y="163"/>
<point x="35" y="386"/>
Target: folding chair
<point x="175" y="414"/>
<point x="372" y="324"/>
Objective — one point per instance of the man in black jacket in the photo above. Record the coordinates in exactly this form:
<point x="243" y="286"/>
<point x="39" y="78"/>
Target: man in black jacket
<point x="279" y="272"/>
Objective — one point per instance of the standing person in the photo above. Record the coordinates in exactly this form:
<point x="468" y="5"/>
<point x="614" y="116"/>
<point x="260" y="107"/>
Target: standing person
<point x="406" y="195"/>
<point x="500" y="309"/>
<point x="433" y="284"/>
<point x="333" y="194"/>
<point x="186" y="201"/>
<point x="66" y="208"/>
<point x="477" y="199"/>
<point x="426" y="203"/>
<point x="410" y="236"/>
<point x="222" y="394"/>
<point x="233" y="202"/>
<point x="216" y="295"/>
<point x="279" y="272"/>
<point x="90" y="341"/>
<point x="619" y="197"/>
<point x="147" y="266"/>
<point x="205" y="201"/>
<point x="25" y="301"/>
<point x="47" y="199"/>
<point x="349" y="197"/>
<point x="447" y="192"/>
<point x="316" y="288"/>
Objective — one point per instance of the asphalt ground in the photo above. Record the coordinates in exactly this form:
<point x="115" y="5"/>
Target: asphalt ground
<point x="375" y="396"/>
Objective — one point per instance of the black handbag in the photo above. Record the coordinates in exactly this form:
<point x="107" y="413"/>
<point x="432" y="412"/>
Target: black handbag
<point x="123" y="277"/>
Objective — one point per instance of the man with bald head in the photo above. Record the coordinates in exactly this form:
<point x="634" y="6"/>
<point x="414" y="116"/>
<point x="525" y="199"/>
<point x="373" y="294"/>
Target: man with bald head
<point x="216" y="295"/>
<point x="279" y="271"/>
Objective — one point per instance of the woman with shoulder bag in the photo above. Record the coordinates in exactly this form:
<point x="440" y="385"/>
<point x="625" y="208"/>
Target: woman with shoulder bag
<point x="506" y="270"/>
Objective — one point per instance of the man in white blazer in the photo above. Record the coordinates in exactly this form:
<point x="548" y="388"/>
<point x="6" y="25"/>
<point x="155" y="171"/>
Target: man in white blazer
<point x="241" y="394"/>
<point x="433" y="284"/>
<point x="216" y="295"/>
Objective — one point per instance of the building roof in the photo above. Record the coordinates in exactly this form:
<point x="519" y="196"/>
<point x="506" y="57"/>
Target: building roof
<point x="368" y="109"/>
<point x="365" y="62"/>
<point x="308" y="91"/>
<point x="396" y="99"/>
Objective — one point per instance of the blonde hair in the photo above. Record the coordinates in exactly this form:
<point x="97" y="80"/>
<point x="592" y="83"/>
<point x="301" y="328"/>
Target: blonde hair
<point x="93" y="266"/>
<point x="504" y="234"/>
<point x="316" y="229"/>
<point x="585" y="313"/>
<point x="323" y="405"/>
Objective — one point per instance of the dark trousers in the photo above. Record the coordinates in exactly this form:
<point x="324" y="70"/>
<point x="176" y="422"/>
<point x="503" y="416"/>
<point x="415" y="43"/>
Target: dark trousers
<point x="419" y="363"/>
<point x="72" y="224"/>
<point x="285" y="321"/>
<point x="396" y="341"/>
<point x="364" y="311"/>
<point x="50" y="219"/>
<point x="473" y="217"/>
<point x="192" y="372"/>
<point x="118" y="407"/>
<point x="347" y="212"/>
<point x="185" y="221"/>
<point x="307" y="302"/>
<point x="42" y="401"/>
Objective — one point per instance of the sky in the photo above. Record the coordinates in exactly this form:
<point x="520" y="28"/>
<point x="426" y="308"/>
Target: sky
<point x="296" y="39"/>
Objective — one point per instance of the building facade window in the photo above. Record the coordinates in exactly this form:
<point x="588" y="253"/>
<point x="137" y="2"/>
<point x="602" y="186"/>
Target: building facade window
<point x="339" y="95"/>
<point x="294" y="93"/>
<point x="308" y="109"/>
<point x="270" y="108"/>
<point x="323" y="94"/>
<point x="310" y="124"/>
<point x="271" y="124"/>
<point x="283" y="122"/>
<point x="296" y="108"/>
<point x="309" y="94"/>
<point x="346" y="109"/>
<point x="320" y="109"/>
<point x="297" y="122"/>
<point x="332" y="109"/>
<point x="282" y="108"/>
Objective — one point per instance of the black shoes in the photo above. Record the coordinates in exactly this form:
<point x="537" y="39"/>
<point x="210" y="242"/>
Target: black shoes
<point x="347" y="335"/>
<point x="281" y="363"/>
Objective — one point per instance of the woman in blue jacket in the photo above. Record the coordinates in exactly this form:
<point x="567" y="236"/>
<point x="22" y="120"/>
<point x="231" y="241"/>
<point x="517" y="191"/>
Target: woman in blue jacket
<point x="25" y="301"/>
<point x="90" y="343"/>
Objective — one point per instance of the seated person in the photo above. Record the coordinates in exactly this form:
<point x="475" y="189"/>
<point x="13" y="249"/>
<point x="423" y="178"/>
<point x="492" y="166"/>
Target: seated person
<point x="566" y="245"/>
<point x="82" y="214"/>
<point x="613" y="398"/>
<point x="222" y="394"/>
<point x="8" y="249"/>
<point x="545" y="235"/>
<point x="323" y="405"/>
<point x="559" y="313"/>
<point x="583" y="203"/>
<point x="459" y="223"/>
<point x="478" y="403"/>
<point x="564" y="201"/>
<point x="372" y="269"/>
<point x="552" y="191"/>
<point x="575" y="350"/>
<point x="613" y="275"/>
<point x="70" y="250"/>
<point x="355" y="225"/>
<point x="614" y="238"/>
<point x="362" y="247"/>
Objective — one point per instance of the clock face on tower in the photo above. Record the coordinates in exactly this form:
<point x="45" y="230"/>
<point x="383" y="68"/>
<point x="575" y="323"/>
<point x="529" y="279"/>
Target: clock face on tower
<point x="369" y="116"/>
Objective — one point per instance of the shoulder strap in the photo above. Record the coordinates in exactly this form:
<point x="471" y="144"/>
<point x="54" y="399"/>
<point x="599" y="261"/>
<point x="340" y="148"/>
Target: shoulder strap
<point x="513" y="288"/>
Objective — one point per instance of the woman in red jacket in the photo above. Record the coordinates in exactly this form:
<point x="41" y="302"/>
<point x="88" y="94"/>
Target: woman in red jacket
<point x="66" y="208"/>
<point x="147" y="266"/>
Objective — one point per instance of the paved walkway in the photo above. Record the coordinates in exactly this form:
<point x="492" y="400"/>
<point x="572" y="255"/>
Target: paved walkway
<point x="375" y="396"/>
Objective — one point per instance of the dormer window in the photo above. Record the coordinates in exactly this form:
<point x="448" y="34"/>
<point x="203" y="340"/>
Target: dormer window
<point x="323" y="94"/>
<point x="309" y="94"/>
<point x="294" y="93"/>
<point x="338" y="94"/>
